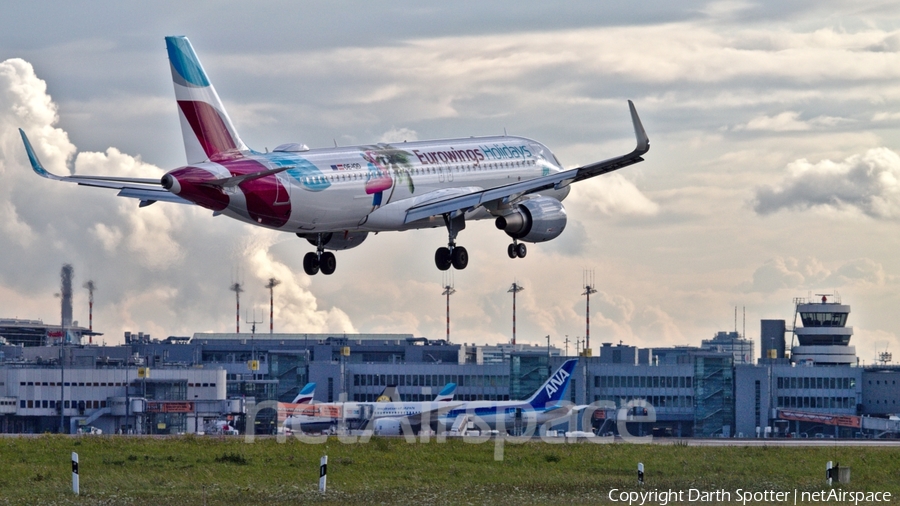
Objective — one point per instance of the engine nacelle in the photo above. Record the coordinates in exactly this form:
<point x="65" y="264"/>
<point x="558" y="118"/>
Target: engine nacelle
<point x="534" y="220"/>
<point x="337" y="241"/>
<point x="387" y="427"/>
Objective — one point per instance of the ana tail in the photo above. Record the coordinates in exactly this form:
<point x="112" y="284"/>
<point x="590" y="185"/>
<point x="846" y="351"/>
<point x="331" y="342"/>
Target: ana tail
<point x="555" y="388"/>
<point x="207" y="130"/>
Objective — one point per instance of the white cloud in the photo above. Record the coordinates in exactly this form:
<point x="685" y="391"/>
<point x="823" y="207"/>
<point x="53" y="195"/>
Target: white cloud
<point x="399" y="135"/>
<point x="726" y="8"/>
<point x="109" y="237"/>
<point x="789" y="121"/>
<point x="152" y="265"/>
<point x="868" y="183"/>
<point x="817" y="81"/>
<point x="810" y="274"/>
<point x="786" y="121"/>
<point x="612" y="194"/>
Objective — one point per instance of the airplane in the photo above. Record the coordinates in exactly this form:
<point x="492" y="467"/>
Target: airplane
<point x="544" y="405"/>
<point x="335" y="197"/>
<point x="324" y="416"/>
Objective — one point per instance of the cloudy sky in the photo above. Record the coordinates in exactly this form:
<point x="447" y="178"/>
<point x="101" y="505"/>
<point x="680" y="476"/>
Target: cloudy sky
<point x="773" y="171"/>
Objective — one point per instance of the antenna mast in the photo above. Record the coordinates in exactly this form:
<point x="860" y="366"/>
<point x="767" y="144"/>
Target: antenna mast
<point x="253" y="324"/>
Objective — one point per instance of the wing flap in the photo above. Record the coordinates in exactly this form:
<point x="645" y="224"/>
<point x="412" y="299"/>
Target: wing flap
<point x="150" y="195"/>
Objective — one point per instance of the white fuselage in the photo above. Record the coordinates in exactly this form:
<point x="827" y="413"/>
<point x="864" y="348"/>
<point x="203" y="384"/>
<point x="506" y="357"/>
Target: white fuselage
<point x="336" y="189"/>
<point x="364" y="412"/>
<point x="504" y="414"/>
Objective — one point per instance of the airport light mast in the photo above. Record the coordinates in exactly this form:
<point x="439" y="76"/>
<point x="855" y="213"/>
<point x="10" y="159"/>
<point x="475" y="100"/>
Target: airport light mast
<point x="514" y="289"/>
<point x="588" y="290"/>
<point x="448" y="291"/>
<point x="271" y="286"/>
<point x="237" y="289"/>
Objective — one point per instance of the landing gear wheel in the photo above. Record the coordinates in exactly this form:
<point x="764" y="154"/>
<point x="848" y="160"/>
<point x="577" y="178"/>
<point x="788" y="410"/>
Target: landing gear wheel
<point x="327" y="263"/>
<point x="521" y="250"/>
<point x="443" y="258"/>
<point x="511" y="251"/>
<point x="459" y="258"/>
<point x="311" y="264"/>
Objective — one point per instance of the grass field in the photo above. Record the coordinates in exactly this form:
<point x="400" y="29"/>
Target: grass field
<point x="216" y="471"/>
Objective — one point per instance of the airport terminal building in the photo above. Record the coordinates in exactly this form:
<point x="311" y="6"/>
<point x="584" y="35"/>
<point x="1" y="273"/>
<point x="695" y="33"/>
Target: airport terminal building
<point x="187" y="384"/>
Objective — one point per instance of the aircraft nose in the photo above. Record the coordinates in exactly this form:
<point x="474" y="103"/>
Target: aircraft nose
<point x="170" y="183"/>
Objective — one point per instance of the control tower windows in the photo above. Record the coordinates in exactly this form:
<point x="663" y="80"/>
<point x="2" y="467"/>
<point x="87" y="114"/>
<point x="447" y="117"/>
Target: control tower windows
<point x="824" y="319"/>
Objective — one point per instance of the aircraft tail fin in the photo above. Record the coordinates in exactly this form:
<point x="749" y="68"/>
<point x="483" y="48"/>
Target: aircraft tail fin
<point x="207" y="130"/>
<point x="446" y="394"/>
<point x="555" y="388"/>
<point x="389" y="394"/>
<point x="306" y="394"/>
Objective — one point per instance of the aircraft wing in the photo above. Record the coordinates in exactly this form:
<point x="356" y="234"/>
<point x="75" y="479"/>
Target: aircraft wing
<point x="515" y="190"/>
<point x="147" y="191"/>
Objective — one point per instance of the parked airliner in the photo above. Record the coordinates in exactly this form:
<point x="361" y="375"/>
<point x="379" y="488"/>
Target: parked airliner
<point x="335" y="197"/>
<point x="305" y="415"/>
<point x="389" y="418"/>
<point x="544" y="405"/>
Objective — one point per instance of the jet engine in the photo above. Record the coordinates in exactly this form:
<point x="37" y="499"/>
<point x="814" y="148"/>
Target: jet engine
<point x="537" y="219"/>
<point x="387" y="427"/>
<point x="337" y="241"/>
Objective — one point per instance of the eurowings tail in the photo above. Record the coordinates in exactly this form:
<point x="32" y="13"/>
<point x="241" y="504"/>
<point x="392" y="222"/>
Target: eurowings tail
<point x="554" y="390"/>
<point x="207" y="130"/>
<point x="446" y="395"/>
<point x="306" y="394"/>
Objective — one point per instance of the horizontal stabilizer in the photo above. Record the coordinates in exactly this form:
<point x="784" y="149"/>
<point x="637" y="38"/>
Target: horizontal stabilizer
<point x="146" y="190"/>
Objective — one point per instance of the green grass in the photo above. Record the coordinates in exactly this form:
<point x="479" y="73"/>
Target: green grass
<point x="210" y="470"/>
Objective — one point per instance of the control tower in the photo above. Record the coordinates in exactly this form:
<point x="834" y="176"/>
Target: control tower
<point x="824" y="338"/>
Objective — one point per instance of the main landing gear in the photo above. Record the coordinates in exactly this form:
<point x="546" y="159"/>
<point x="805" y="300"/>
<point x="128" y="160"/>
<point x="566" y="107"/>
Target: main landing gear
<point x="516" y="250"/>
<point x="319" y="260"/>
<point x="454" y="255"/>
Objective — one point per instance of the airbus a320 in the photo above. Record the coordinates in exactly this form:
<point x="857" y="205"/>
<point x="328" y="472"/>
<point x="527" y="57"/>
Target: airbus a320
<point x="334" y="197"/>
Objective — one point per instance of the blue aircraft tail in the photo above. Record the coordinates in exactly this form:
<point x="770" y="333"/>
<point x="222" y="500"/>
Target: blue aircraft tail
<point x="446" y="394"/>
<point x="306" y="394"/>
<point x="554" y="390"/>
